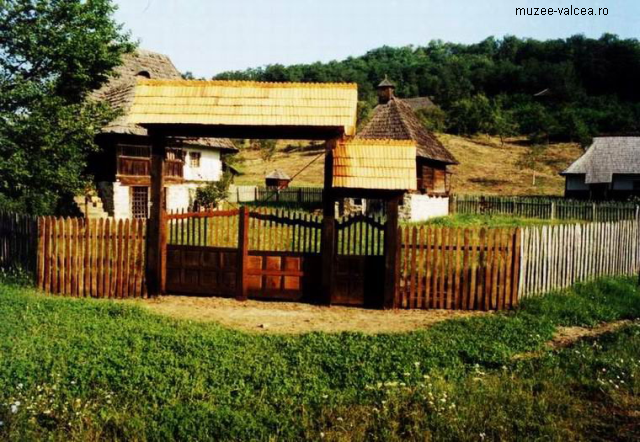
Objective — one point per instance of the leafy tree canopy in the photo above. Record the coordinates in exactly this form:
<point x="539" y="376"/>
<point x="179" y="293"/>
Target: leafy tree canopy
<point x="52" y="54"/>
<point x="593" y="83"/>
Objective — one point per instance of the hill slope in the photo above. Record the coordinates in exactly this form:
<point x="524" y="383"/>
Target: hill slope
<point x="485" y="166"/>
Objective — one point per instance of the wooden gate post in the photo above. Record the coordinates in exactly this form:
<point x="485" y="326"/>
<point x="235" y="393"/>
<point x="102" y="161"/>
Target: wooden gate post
<point x="243" y="255"/>
<point x="391" y="253"/>
<point x="157" y="225"/>
<point x="328" y="244"/>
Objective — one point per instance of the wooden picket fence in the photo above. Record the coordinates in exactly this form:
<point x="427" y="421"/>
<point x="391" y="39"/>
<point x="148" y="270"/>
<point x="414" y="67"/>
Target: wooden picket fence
<point x="456" y="268"/>
<point x="555" y="257"/>
<point x="440" y="267"/>
<point x="545" y="208"/>
<point x="96" y="258"/>
<point x="18" y="242"/>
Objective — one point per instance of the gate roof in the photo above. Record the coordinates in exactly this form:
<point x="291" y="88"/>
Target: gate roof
<point x="246" y="109"/>
<point x="375" y="164"/>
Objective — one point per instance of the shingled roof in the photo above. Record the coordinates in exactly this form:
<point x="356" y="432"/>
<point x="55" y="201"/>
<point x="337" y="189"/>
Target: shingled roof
<point x="608" y="156"/>
<point x="119" y="92"/>
<point x="419" y="103"/>
<point x="396" y="120"/>
<point x="278" y="174"/>
<point x="245" y="103"/>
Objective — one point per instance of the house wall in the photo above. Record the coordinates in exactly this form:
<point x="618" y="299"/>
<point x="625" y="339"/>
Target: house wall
<point x="418" y="207"/>
<point x="625" y="182"/>
<point x="121" y="201"/>
<point x="210" y="165"/>
<point x="576" y="182"/>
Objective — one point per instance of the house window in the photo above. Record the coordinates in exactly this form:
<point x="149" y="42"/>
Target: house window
<point x="194" y="160"/>
<point x="636" y="185"/>
<point x="140" y="202"/>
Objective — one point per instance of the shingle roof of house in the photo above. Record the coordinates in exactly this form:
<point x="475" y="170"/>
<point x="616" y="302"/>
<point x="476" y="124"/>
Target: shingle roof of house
<point x="396" y="120"/>
<point x="419" y="103"/>
<point x="119" y="92"/>
<point x="607" y="156"/>
<point x="278" y="175"/>
<point x="375" y="164"/>
<point x="243" y="103"/>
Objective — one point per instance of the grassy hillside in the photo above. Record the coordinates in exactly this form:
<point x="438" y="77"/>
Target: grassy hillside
<point x="485" y="166"/>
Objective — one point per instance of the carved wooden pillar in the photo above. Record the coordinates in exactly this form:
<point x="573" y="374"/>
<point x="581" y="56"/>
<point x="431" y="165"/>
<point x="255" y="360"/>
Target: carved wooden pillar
<point x="157" y="225"/>
<point x="328" y="226"/>
<point x="391" y="252"/>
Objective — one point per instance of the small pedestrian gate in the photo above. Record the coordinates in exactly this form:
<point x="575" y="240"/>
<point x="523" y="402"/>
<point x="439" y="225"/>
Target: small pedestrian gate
<point x="273" y="254"/>
<point x="359" y="265"/>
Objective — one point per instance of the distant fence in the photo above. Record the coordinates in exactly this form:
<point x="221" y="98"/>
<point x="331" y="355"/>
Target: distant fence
<point x="292" y="197"/>
<point x="555" y="257"/>
<point x="456" y="268"/>
<point x="545" y="208"/>
<point x="96" y="258"/>
<point x="18" y="242"/>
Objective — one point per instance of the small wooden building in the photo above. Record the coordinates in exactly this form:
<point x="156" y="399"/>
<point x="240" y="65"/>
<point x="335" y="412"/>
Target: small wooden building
<point x="278" y="179"/>
<point x="609" y="170"/>
<point x="395" y="119"/>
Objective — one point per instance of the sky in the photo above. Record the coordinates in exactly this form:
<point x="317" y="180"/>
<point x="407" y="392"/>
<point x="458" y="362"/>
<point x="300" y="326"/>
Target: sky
<point x="207" y="37"/>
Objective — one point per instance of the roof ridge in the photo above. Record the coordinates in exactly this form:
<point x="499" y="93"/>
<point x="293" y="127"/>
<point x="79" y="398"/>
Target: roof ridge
<point x="243" y="83"/>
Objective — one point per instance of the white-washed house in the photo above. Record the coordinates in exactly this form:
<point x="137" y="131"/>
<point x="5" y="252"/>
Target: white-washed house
<point x="122" y="166"/>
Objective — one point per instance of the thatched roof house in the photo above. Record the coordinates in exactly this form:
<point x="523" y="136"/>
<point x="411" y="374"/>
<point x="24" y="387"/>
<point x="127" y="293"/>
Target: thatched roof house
<point x="609" y="169"/>
<point x="122" y="166"/>
<point x="119" y="92"/>
<point x="395" y="119"/>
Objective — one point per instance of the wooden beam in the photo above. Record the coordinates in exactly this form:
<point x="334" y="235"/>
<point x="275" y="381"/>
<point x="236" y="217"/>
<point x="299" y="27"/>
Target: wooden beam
<point x="328" y="227"/>
<point x="391" y="253"/>
<point x="254" y="132"/>
<point x="243" y="255"/>
<point x="157" y="225"/>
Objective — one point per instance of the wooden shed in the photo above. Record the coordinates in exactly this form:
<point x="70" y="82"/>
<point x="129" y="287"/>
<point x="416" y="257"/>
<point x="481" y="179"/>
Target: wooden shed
<point x="278" y="179"/>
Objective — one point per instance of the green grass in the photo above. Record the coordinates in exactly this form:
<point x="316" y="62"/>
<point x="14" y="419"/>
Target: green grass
<point x="470" y="220"/>
<point x="86" y="370"/>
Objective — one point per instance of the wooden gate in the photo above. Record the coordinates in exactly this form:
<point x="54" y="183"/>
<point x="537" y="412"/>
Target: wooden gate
<point x="263" y="254"/>
<point x="359" y="268"/>
<point x="202" y="253"/>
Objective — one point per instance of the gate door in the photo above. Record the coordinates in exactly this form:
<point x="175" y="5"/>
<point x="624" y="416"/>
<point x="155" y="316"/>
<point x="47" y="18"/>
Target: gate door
<point x="202" y="253"/>
<point x="359" y="267"/>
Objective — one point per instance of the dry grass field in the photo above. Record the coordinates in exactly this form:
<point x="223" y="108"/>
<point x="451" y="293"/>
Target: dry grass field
<point x="485" y="165"/>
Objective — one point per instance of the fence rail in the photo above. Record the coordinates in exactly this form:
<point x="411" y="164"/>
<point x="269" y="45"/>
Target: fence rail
<point x="555" y="257"/>
<point x="455" y="268"/>
<point x="291" y="198"/>
<point x="545" y="208"/>
<point x="96" y="258"/>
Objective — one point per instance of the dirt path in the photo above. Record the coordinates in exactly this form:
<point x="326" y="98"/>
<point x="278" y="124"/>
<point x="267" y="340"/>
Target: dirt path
<point x="567" y="336"/>
<point x="285" y="317"/>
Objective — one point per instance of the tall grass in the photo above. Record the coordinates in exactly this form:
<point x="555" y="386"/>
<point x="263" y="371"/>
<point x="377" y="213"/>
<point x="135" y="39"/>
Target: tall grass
<point x="84" y="370"/>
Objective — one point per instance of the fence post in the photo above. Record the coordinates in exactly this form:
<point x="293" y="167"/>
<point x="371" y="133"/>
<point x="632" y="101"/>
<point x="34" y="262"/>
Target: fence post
<point x="243" y="254"/>
<point x="392" y="244"/>
<point x="594" y="216"/>
<point x="553" y="210"/>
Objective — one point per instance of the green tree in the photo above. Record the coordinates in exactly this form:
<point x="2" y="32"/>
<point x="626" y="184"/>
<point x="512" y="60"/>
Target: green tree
<point x="52" y="54"/>
<point x="531" y="160"/>
<point x="213" y="193"/>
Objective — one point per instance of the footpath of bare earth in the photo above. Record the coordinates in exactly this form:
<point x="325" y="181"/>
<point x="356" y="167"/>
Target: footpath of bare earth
<point x="486" y="165"/>
<point x="291" y="318"/>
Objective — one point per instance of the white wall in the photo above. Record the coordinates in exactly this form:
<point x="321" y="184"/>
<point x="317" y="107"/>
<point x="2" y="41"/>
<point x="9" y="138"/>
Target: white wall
<point x="210" y="165"/>
<point x="121" y="201"/>
<point x="424" y="207"/>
